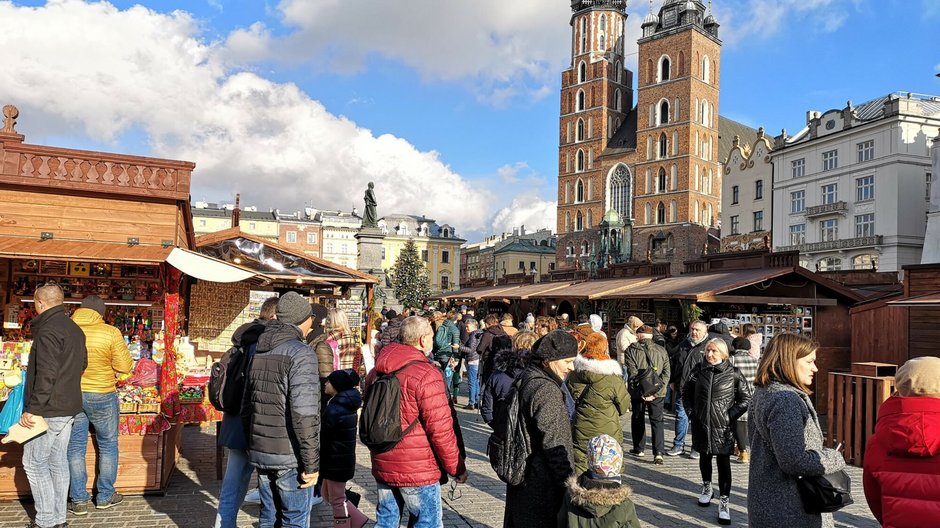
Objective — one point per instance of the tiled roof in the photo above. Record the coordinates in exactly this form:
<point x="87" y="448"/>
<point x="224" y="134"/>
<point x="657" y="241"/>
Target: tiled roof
<point x="727" y="129"/>
<point x="525" y="247"/>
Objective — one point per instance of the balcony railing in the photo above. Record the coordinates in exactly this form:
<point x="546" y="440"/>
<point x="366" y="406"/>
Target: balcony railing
<point x="839" y="207"/>
<point x="833" y="245"/>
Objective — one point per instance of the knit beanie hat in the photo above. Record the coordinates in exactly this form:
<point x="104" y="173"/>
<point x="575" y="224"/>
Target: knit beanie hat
<point x="293" y="309"/>
<point x="557" y="344"/>
<point x="604" y="457"/>
<point x="741" y="343"/>
<point x="919" y="377"/>
<point x="343" y="379"/>
<point x="634" y="322"/>
<point x="596" y="322"/>
<point x="596" y="347"/>
<point x="93" y="302"/>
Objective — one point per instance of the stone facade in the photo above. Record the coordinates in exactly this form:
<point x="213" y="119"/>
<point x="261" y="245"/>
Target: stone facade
<point x="746" y="195"/>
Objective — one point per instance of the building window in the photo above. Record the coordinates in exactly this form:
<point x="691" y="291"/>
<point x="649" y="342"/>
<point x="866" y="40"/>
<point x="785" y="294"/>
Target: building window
<point x="865" y="262"/>
<point x="292" y="237"/>
<point x="580" y="100"/>
<point x="584" y="249"/>
<point x="830" y="193"/>
<point x="311" y="238"/>
<point x="579" y="135"/>
<point x="797" y="234"/>
<point x="865" y="225"/>
<point x="865" y="188"/>
<point x="661" y="214"/>
<point x="569" y="251"/>
<point x="521" y="265"/>
<point x="706" y="70"/>
<point x="445" y="257"/>
<point x="663" y="146"/>
<point x="202" y="221"/>
<point x="866" y="150"/>
<point x="329" y="247"/>
<point x="445" y="282"/>
<point x="797" y="201"/>
<point x="252" y="226"/>
<point x="582" y="72"/>
<point x="620" y="193"/>
<point x="830" y="160"/>
<point x="664" y="112"/>
<point x="661" y="181"/>
<point x="579" y="222"/>
<point x="759" y="190"/>
<point x="579" y="162"/>
<point x="829" y="230"/>
<point x="664" y="69"/>
<point x="579" y="191"/>
<point x="830" y="264"/>
<point x="424" y="255"/>
<point x="734" y="225"/>
<point x="758" y="220"/>
<point x="798" y="168"/>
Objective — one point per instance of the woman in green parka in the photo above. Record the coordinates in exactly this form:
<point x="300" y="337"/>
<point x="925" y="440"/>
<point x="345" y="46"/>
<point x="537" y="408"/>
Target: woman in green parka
<point x="600" y="397"/>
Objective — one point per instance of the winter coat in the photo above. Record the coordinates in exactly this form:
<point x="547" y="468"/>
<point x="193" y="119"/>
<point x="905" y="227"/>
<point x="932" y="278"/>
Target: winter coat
<point x="338" y="436"/>
<point x="414" y="460"/>
<point x="390" y="334"/>
<point x="747" y="365"/>
<point x="107" y="352"/>
<point x="468" y="350"/>
<point x="786" y="442"/>
<point x="57" y="359"/>
<point x="538" y="499"/>
<point x="684" y="361"/>
<point x="509" y="328"/>
<point x="281" y="408"/>
<point x="635" y="362"/>
<point x="714" y="397"/>
<point x="595" y="503"/>
<point x="445" y="337"/>
<point x="601" y="399"/>
<point x="231" y="431"/>
<point x="497" y="390"/>
<point x="624" y="338"/>
<point x="902" y="463"/>
<point x="757" y="345"/>
<point x="488" y="351"/>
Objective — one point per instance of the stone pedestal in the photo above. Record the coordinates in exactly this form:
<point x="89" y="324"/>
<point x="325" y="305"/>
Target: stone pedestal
<point x="370" y="261"/>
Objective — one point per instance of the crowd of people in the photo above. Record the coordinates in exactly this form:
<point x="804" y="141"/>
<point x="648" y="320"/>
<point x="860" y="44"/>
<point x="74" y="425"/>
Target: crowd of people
<point x="312" y="391"/>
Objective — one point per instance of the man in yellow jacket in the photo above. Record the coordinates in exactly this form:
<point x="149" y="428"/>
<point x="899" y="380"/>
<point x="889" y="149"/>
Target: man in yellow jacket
<point x="108" y="358"/>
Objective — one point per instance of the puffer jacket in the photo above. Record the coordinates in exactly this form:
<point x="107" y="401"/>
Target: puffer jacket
<point x="281" y="409"/>
<point x="414" y="461"/>
<point x="600" y="400"/>
<point x="390" y="334"/>
<point x="108" y="355"/>
<point x="445" y="337"/>
<point x="489" y="345"/>
<point x="338" y="436"/>
<point x="508" y="364"/>
<point x="902" y="463"/>
<point x="635" y="362"/>
<point x="595" y="503"/>
<point x="685" y="360"/>
<point x="232" y="432"/>
<point x="468" y="350"/>
<point x="714" y="397"/>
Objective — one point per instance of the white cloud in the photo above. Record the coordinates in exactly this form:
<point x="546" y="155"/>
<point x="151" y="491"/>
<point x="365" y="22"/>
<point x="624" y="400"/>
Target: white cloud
<point x="527" y="209"/>
<point x="101" y="72"/>
<point x="510" y="173"/>
<point x="759" y="19"/>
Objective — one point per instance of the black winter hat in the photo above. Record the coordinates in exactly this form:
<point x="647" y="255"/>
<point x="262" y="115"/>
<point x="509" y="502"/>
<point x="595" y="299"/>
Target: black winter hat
<point x="557" y="344"/>
<point x="741" y="343"/>
<point x="342" y="380"/>
<point x="319" y="313"/>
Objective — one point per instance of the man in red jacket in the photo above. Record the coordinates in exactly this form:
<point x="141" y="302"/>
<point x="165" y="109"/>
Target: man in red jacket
<point x="409" y="474"/>
<point x="902" y="460"/>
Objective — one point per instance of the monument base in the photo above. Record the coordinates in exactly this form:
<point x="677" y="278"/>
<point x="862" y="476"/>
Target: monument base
<point x="370" y="241"/>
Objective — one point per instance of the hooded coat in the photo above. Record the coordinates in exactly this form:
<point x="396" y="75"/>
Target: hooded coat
<point x="600" y="400"/>
<point x="338" y="436"/>
<point x="468" y="350"/>
<point x="595" y="503"/>
<point x="786" y="442"/>
<point x="231" y="431"/>
<point x="487" y="349"/>
<point x="902" y="462"/>
<point x="508" y="364"/>
<point x="538" y="499"/>
<point x="715" y="396"/>
<point x="445" y="337"/>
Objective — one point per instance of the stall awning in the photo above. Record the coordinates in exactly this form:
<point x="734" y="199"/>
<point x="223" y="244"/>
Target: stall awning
<point x="206" y="268"/>
<point x="524" y="291"/>
<point x="929" y="300"/>
<point x="488" y="293"/>
<point x="698" y="286"/>
<point x="593" y="289"/>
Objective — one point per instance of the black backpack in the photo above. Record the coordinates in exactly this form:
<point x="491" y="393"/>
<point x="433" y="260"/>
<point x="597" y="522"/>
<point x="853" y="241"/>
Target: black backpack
<point x="647" y="382"/>
<point x="509" y="445"/>
<point x="380" y="423"/>
<point x="227" y="380"/>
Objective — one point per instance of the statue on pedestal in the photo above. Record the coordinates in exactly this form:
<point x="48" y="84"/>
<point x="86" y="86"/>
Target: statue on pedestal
<point x="370" y="218"/>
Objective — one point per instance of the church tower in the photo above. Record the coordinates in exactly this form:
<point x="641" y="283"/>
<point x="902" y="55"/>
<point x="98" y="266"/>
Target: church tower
<point x="677" y="170"/>
<point x="596" y="96"/>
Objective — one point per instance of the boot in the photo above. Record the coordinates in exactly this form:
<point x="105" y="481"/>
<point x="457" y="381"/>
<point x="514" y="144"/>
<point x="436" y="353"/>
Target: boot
<point x="357" y="519"/>
<point x="724" y="510"/>
<point x="706" y="497"/>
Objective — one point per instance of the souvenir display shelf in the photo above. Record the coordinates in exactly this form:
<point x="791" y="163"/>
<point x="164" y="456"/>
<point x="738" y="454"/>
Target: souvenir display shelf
<point x="795" y="320"/>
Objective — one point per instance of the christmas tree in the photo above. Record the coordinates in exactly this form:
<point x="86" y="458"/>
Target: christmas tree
<point x="410" y="277"/>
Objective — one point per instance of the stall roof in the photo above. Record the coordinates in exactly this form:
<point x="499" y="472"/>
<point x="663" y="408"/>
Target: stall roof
<point x="928" y="300"/>
<point x="276" y="262"/>
<point x="526" y="291"/>
<point x="462" y="293"/>
<point x="593" y="289"/>
<point x="477" y="293"/>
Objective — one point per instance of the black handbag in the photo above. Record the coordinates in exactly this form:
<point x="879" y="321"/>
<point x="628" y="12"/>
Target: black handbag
<point x="826" y="493"/>
<point x="648" y="382"/>
<point x="353" y="497"/>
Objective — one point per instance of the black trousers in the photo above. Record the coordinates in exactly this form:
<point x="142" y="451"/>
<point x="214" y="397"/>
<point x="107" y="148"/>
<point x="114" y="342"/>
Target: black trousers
<point x="740" y="435"/>
<point x="724" y="471"/>
<point x="654" y="409"/>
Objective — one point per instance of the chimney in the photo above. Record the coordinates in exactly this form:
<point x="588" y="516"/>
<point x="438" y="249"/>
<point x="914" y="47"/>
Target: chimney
<point x="237" y="212"/>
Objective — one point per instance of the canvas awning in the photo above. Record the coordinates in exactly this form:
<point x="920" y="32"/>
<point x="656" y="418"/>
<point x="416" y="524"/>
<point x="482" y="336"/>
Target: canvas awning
<point x="593" y="289"/>
<point x="698" y="286"/>
<point x="526" y="291"/>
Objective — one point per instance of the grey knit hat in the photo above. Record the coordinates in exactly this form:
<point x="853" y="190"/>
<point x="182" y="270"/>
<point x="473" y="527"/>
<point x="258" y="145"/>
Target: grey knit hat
<point x="293" y="309"/>
<point x="93" y="302"/>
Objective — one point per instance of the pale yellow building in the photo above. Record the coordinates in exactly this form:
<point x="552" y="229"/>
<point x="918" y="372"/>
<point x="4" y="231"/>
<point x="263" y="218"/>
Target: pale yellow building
<point x="438" y="246"/>
<point x="524" y="257"/>
<point x="212" y="218"/>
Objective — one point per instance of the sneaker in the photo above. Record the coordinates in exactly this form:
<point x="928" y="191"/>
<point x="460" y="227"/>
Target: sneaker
<point x="658" y="460"/>
<point x="707" y="493"/>
<point x="253" y="496"/>
<point x="724" y="510"/>
<point x="675" y="451"/>
<point x="693" y="455"/>
<point x="470" y="407"/>
<point x="637" y="453"/>
<point x="116" y="499"/>
<point x="744" y="457"/>
<point x="315" y="500"/>
<point x="78" y="508"/>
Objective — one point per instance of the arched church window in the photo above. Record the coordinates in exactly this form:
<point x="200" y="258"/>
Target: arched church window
<point x="664" y="69"/>
<point x="582" y="72"/>
<point x="664" y="112"/>
<point x="580" y="130"/>
<point x="580" y="100"/>
<point x="661" y="214"/>
<point x="579" y="191"/>
<point x="663" y="145"/>
<point x="661" y="181"/>
<point x="706" y="69"/>
<point x="619" y="191"/>
<point x="579" y="222"/>
<point x="579" y="164"/>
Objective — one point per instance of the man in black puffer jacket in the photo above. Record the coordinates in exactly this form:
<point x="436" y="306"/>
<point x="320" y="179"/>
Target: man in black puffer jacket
<point x="281" y="411"/>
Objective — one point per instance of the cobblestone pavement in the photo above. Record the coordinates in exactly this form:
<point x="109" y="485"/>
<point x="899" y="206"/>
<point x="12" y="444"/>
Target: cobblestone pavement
<point x="665" y="496"/>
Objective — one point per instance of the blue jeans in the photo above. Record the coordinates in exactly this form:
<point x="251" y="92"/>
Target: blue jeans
<point x="682" y="423"/>
<point x="422" y="504"/>
<point x="291" y="503"/>
<point x="45" y="460"/>
<point x="235" y="484"/>
<point x="473" y="376"/>
<point x="102" y="412"/>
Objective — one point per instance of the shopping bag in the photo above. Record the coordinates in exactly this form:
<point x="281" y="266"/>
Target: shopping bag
<point x="13" y="410"/>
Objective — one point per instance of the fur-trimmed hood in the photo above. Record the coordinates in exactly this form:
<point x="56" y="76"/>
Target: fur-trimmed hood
<point x="598" y="366"/>
<point x="596" y="497"/>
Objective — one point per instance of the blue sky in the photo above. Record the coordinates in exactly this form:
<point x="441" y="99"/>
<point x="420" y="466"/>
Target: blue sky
<point x="451" y="106"/>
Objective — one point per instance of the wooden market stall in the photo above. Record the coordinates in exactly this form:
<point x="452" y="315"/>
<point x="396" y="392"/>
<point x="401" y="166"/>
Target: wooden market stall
<point x="119" y="227"/>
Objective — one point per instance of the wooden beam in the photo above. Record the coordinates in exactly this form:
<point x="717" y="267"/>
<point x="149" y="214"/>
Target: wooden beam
<point x="748" y="299"/>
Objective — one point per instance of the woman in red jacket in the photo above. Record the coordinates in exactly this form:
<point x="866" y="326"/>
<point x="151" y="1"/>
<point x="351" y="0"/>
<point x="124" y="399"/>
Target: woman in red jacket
<point x="902" y="461"/>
